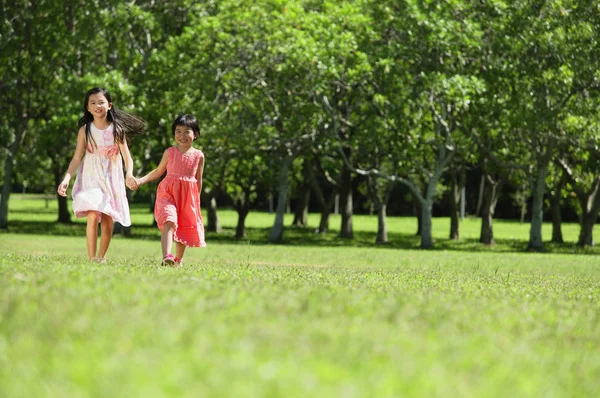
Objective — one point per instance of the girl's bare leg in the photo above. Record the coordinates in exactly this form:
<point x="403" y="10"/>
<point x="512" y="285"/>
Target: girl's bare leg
<point x="91" y="233"/>
<point x="179" y="250"/>
<point x="107" y="224"/>
<point x="166" y="238"/>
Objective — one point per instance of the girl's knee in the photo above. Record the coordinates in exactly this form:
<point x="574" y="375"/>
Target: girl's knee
<point x="92" y="217"/>
<point x="107" y="225"/>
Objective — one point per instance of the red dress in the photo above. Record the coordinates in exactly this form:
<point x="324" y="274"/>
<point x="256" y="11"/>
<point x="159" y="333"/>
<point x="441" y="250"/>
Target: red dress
<point x="178" y="199"/>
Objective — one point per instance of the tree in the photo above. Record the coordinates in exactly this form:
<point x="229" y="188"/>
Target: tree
<point x="549" y="66"/>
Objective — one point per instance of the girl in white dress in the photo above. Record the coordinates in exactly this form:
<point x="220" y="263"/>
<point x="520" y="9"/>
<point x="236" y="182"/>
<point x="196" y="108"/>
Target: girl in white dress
<point x="99" y="189"/>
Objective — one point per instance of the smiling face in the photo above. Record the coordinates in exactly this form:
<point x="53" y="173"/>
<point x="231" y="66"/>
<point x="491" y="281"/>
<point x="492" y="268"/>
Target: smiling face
<point x="184" y="136"/>
<point x="98" y="106"/>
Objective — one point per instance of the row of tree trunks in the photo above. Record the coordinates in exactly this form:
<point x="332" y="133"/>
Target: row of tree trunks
<point x="490" y="193"/>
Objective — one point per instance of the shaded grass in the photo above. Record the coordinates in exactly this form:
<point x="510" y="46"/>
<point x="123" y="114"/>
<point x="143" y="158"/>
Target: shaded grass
<point x="32" y="217"/>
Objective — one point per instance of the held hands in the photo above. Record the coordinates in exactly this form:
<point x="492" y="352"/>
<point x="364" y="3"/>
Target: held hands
<point x="132" y="183"/>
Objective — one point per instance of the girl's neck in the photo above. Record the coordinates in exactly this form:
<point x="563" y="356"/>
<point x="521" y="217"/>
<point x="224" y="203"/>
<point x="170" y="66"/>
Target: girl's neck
<point x="101" y="123"/>
<point x="184" y="149"/>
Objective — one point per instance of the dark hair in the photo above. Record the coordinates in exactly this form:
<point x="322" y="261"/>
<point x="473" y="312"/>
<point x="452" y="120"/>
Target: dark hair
<point x="187" y="121"/>
<point x="124" y="124"/>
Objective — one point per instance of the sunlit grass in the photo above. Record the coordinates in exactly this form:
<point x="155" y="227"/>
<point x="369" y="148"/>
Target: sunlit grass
<point x="315" y="316"/>
<point x="258" y="320"/>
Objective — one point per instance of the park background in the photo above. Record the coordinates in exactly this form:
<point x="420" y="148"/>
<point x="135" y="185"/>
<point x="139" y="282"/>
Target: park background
<point x="342" y="138"/>
<point x="377" y="107"/>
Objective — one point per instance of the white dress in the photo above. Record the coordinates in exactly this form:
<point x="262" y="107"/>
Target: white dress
<point x="100" y="183"/>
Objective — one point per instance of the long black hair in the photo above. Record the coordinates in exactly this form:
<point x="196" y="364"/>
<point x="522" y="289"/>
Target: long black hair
<point x="124" y="124"/>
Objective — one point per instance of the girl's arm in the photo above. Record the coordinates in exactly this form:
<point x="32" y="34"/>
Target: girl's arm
<point x="129" y="179"/>
<point x="157" y="172"/>
<point x="75" y="162"/>
<point x="199" y="173"/>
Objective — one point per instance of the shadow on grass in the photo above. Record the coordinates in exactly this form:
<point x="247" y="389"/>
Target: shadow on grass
<point x="36" y="210"/>
<point x="307" y="237"/>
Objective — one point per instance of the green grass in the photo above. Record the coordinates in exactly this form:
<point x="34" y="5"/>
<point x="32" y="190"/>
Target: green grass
<point x="243" y="318"/>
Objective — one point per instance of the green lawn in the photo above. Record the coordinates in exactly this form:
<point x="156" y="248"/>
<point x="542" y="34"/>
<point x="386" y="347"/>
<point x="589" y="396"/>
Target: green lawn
<point x="323" y="317"/>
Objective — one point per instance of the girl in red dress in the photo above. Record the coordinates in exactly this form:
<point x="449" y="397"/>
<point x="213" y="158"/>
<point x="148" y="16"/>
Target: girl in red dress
<point x="177" y="209"/>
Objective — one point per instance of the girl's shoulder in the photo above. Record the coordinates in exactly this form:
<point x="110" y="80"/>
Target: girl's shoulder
<point x="195" y="152"/>
<point x="169" y="151"/>
<point x="198" y="154"/>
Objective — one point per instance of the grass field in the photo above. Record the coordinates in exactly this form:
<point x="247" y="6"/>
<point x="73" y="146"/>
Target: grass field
<point x="317" y="316"/>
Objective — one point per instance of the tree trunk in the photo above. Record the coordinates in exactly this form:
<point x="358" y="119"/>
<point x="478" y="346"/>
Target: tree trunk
<point x="489" y="198"/>
<point x="152" y="204"/>
<point x="427" y="213"/>
<point x="537" y="213"/>
<point x="276" y="235"/>
<point x="590" y="204"/>
<point x="417" y="211"/>
<point x="213" y="223"/>
<point x="557" y="236"/>
<point x="426" y="224"/>
<point x="325" y="205"/>
<point x="242" y="207"/>
<point x="346" y="230"/>
<point x="64" y="215"/>
<point x="480" y="197"/>
<point x="382" y="235"/>
<point x="454" y="207"/>
<point x="301" y="210"/>
<point x="325" y="212"/>
<point x="8" y="169"/>
<point x="586" y="237"/>
<point x="13" y="148"/>
<point x="523" y="211"/>
<point x="240" y="229"/>
<point x="117" y="228"/>
<point x="380" y="205"/>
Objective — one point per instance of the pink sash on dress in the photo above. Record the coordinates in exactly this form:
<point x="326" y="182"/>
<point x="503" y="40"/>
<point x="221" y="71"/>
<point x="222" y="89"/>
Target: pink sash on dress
<point x="107" y="151"/>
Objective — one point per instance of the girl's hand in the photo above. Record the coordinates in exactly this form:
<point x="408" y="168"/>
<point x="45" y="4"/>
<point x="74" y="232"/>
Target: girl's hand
<point x="62" y="188"/>
<point x="131" y="183"/>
